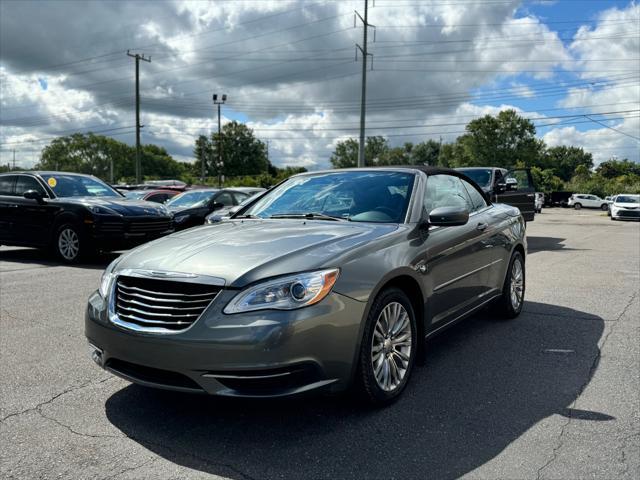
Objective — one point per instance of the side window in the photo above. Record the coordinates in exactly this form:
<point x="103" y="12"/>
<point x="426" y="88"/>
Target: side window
<point x="520" y="179"/>
<point x="6" y="184"/>
<point x="225" y="199"/>
<point x="25" y="183"/>
<point x="240" y="197"/>
<point x="477" y="199"/>
<point x="446" y="191"/>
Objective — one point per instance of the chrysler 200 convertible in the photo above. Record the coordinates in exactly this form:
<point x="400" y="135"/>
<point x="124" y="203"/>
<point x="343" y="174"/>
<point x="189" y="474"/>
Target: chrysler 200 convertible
<point x="330" y="280"/>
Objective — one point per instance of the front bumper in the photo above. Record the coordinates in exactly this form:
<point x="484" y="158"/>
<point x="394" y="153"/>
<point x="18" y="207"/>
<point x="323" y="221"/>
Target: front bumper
<point x="619" y="213"/>
<point x="257" y="354"/>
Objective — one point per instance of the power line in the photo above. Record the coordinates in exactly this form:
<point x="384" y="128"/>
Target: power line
<point x="611" y="128"/>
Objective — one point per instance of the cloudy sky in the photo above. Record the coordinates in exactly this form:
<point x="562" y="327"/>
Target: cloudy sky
<point x="290" y="72"/>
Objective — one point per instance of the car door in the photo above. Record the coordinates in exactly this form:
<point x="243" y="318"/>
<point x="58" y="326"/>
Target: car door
<point x="520" y="192"/>
<point x="457" y="258"/>
<point x="34" y="220"/>
<point x="7" y="207"/>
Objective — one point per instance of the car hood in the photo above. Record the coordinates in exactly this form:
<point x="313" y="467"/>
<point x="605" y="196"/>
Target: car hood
<point x="122" y="206"/>
<point x="244" y="251"/>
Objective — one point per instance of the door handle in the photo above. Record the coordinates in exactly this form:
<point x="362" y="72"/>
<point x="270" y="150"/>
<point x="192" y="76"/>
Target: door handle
<point x="482" y="226"/>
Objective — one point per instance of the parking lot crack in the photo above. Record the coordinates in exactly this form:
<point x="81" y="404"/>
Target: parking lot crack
<point x="53" y="399"/>
<point x="592" y="370"/>
<point x="131" y="469"/>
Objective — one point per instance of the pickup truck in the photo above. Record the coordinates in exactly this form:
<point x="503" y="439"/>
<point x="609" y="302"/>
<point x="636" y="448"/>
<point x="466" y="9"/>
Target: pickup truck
<point x="514" y="187"/>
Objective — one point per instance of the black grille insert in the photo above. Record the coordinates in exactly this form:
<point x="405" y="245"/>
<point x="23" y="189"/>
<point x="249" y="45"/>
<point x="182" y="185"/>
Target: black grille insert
<point x="151" y="375"/>
<point x="161" y="304"/>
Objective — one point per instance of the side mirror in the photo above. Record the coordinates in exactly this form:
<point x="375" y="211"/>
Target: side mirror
<point x="217" y="205"/>
<point x="501" y="187"/>
<point x="448" y="216"/>
<point x="512" y="184"/>
<point x="34" y="195"/>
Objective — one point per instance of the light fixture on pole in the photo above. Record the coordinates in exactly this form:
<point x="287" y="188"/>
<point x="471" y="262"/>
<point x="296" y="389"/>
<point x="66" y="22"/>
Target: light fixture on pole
<point x="220" y="164"/>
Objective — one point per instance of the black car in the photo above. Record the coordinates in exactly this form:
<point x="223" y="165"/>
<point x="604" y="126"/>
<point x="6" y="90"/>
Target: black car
<point x="74" y="214"/>
<point x="190" y="208"/>
<point x="514" y="187"/>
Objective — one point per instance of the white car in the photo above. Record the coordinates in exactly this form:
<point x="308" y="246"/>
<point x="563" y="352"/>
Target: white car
<point x="539" y="201"/>
<point x="579" y="200"/>
<point x="625" y="206"/>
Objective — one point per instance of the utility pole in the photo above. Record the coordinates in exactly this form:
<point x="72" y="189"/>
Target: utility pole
<point x="14" y="159"/>
<point x="111" y="171"/>
<point x="138" y="57"/>
<point x="267" y="157"/>
<point x="363" y="96"/>
<point x="220" y="164"/>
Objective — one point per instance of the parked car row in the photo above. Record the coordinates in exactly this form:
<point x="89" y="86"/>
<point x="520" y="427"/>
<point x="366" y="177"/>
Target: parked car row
<point x="75" y="215"/>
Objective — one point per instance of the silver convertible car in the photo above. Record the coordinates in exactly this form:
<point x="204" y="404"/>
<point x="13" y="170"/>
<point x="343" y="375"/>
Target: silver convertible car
<point x="330" y="280"/>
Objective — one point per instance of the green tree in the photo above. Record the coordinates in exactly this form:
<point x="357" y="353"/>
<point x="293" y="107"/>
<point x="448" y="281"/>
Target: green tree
<point x="203" y="152"/>
<point x="242" y="153"/>
<point x="615" y="168"/>
<point x="426" y="153"/>
<point x="500" y="141"/>
<point x="346" y="153"/>
<point x="564" y="160"/>
<point x="545" y="180"/>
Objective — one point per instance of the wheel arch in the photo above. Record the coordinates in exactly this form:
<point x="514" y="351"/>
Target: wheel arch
<point x="407" y="281"/>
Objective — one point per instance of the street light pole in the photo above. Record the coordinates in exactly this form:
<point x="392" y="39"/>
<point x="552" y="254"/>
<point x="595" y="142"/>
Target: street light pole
<point x="220" y="164"/>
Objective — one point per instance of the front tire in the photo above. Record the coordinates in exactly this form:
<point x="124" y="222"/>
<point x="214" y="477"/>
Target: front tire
<point x="388" y="348"/>
<point x="510" y="304"/>
<point x="69" y="244"/>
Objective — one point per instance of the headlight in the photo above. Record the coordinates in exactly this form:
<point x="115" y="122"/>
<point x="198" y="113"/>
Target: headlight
<point x="107" y="279"/>
<point x="180" y="218"/>
<point x="101" y="210"/>
<point x="285" y="293"/>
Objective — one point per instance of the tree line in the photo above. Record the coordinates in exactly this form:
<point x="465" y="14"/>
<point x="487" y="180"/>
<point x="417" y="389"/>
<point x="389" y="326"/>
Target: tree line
<point x="505" y="140"/>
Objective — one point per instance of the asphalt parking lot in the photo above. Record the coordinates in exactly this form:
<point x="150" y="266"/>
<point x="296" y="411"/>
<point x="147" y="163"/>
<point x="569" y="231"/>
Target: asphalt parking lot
<point x="552" y="394"/>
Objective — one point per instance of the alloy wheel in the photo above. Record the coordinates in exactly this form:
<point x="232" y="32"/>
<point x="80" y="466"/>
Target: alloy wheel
<point x="391" y="346"/>
<point x="517" y="284"/>
<point x="68" y="244"/>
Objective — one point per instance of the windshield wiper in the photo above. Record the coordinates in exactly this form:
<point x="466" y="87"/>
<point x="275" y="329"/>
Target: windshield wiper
<point x="248" y="215"/>
<point x="310" y="216"/>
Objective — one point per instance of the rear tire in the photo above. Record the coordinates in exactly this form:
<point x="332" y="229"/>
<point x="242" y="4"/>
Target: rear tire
<point x="510" y="303"/>
<point x="388" y="349"/>
<point x="604" y="207"/>
<point x="577" y="206"/>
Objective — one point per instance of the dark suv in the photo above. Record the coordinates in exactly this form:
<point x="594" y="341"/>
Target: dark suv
<point x="74" y="214"/>
<point x="514" y="187"/>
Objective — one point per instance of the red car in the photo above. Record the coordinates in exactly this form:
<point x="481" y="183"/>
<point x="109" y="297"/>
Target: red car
<point x="158" y="196"/>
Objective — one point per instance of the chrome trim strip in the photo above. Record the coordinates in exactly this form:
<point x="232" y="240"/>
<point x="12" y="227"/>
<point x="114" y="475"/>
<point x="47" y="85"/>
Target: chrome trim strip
<point x="157" y="322"/>
<point x="174" y="276"/>
<point x="166" y="300"/>
<point x="165" y="294"/>
<point x="454" y="280"/>
<point x="170" y="315"/>
<point x="157" y="307"/>
<point x="468" y="312"/>
<point x="248" y="377"/>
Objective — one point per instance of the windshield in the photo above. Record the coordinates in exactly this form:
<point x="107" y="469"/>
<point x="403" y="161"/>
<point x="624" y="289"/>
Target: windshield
<point x="628" y="199"/>
<point x="482" y="176"/>
<point x="192" y="199"/>
<point x="359" y="196"/>
<point x="78" y="186"/>
<point x="134" y="195"/>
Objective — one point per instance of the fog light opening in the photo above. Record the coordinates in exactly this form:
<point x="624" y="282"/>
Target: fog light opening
<point x="96" y="355"/>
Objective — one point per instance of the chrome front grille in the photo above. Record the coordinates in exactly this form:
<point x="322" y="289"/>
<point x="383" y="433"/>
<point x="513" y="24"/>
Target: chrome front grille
<point x="154" y="305"/>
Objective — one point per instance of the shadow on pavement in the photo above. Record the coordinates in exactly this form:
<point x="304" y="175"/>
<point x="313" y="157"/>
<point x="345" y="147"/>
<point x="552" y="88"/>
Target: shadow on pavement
<point x="546" y="244"/>
<point x="485" y="383"/>
<point x="42" y="257"/>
